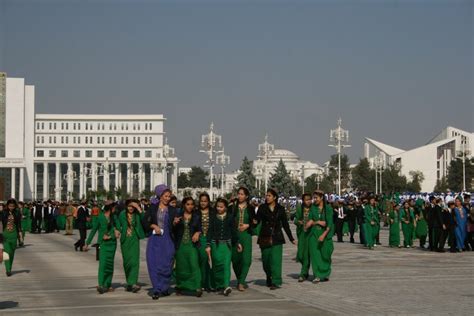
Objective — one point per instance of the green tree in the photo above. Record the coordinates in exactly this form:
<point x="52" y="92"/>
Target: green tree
<point x="345" y="171"/>
<point x="280" y="180"/>
<point x="183" y="181"/>
<point x="441" y="185"/>
<point x="363" y="177"/>
<point x="246" y="177"/>
<point x="328" y="184"/>
<point x="392" y="180"/>
<point x="417" y="179"/>
<point x="455" y="174"/>
<point x="198" y="177"/>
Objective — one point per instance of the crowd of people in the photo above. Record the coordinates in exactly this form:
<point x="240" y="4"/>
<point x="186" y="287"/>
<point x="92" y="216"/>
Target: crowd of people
<point x="198" y="244"/>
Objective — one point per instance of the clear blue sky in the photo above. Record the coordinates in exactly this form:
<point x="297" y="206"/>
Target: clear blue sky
<point x="395" y="71"/>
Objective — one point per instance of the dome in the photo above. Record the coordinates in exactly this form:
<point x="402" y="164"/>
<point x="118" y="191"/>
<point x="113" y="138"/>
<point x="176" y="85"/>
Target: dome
<point x="284" y="154"/>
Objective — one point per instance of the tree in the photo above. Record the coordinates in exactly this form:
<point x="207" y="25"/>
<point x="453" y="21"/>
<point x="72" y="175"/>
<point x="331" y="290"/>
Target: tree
<point x="246" y="177"/>
<point x="183" y="181"/>
<point x="296" y="190"/>
<point x="198" y="177"/>
<point x="363" y="177"/>
<point x="328" y="184"/>
<point x="392" y="181"/>
<point x="441" y="185"/>
<point x="455" y="174"/>
<point x="281" y="180"/>
<point x="310" y="184"/>
<point x="417" y="178"/>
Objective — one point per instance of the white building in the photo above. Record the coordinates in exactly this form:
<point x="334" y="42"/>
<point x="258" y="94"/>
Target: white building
<point x="52" y="156"/>
<point x="432" y="159"/>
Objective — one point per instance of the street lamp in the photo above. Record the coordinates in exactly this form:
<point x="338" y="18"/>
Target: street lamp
<point x="264" y="150"/>
<point x="302" y="176"/>
<point x="339" y="136"/>
<point x="223" y="160"/>
<point x="210" y="144"/>
<point x="462" y="154"/>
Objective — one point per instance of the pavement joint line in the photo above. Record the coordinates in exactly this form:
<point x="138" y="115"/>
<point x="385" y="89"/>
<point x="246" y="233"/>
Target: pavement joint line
<point x="159" y="303"/>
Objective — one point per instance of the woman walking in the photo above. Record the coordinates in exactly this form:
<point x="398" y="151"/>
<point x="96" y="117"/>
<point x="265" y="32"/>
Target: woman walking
<point x="25" y="222"/>
<point x="272" y="217"/>
<point x="205" y="212"/>
<point x="407" y="217"/>
<point x="159" y="222"/>
<point x="131" y="232"/>
<point x="394" y="219"/>
<point x="188" y="273"/>
<point x="301" y="219"/>
<point x="11" y="220"/>
<point x="460" y="214"/>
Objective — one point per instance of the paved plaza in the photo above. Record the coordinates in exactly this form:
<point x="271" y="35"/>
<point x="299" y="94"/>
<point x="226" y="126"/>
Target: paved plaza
<point x="50" y="278"/>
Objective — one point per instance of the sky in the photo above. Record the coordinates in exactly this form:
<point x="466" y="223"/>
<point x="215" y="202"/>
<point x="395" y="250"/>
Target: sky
<point x="395" y="71"/>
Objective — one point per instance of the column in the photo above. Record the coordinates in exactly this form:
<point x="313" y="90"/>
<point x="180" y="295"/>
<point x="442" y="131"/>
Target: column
<point x="141" y="179"/>
<point x="117" y="176"/>
<point x="57" y="186"/>
<point x="45" y="181"/>
<point x="174" y="179"/>
<point x="152" y="177"/>
<point x="129" y="176"/>
<point x="164" y="174"/>
<point x="94" y="176"/>
<point x="106" y="177"/>
<point x="70" y="180"/>
<point x="13" y="183"/>
<point x="22" y="184"/>
<point x="35" y="182"/>
<point x="81" y="180"/>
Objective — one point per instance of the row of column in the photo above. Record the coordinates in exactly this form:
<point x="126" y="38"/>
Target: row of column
<point x="21" y="189"/>
<point x="156" y="176"/>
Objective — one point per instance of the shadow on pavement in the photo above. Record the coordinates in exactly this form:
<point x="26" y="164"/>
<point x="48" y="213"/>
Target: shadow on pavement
<point x="8" y="304"/>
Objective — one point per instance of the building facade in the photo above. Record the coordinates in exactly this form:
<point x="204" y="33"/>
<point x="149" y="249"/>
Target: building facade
<point x="432" y="159"/>
<point x="55" y="156"/>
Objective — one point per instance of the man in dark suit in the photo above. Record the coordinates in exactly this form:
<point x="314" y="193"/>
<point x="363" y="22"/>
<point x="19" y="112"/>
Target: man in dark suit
<point x="340" y="218"/>
<point x="37" y="215"/>
<point x="431" y="218"/>
<point x="351" y="217"/>
<point x="46" y="216"/>
<point x="81" y="222"/>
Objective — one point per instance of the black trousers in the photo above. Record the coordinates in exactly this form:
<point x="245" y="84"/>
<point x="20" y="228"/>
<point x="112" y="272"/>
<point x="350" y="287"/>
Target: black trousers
<point x="431" y="243"/>
<point x="339" y="228"/>
<point x="352" y="227"/>
<point x="435" y="238"/>
<point x="82" y="236"/>
<point x="361" y="234"/>
<point x="447" y="235"/>
<point x="36" y="225"/>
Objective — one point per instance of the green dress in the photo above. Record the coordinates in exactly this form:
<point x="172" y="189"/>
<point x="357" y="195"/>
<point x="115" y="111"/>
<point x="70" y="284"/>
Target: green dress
<point x="370" y="215"/>
<point x="188" y="274"/>
<point x="10" y="238"/>
<point x="25" y="222"/>
<point x="421" y="230"/>
<point x="241" y="261"/>
<point x="321" y="252"/>
<point x="302" y="255"/>
<point x="131" y="231"/>
<point x="61" y="220"/>
<point x="407" y="229"/>
<point x="207" y="277"/>
<point x="108" y="247"/>
<point x="394" y="237"/>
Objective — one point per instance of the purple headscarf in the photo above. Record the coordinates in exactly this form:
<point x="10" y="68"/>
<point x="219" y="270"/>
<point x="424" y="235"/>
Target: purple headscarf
<point x="159" y="189"/>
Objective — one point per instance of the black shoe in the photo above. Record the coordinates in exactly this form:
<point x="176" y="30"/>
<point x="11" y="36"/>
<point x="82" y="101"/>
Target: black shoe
<point x="128" y="288"/>
<point x="136" y="288"/>
<point x="274" y="287"/>
<point x="269" y="282"/>
<point x="198" y="293"/>
<point x="101" y="290"/>
<point x="76" y="247"/>
<point x="9" y="273"/>
<point x="155" y="296"/>
<point x="166" y="293"/>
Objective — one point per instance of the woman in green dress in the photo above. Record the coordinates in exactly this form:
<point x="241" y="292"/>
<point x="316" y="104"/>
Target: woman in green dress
<point x="301" y="219"/>
<point x="244" y="215"/>
<point x="320" y="241"/>
<point x="25" y="222"/>
<point x="370" y="219"/>
<point x="407" y="217"/>
<point x="131" y="232"/>
<point x="222" y="236"/>
<point x="188" y="273"/>
<point x="273" y="218"/>
<point x="61" y="219"/>
<point x="421" y="230"/>
<point x="394" y="219"/>
<point x="11" y="219"/>
<point x="107" y="240"/>
<point x="205" y="212"/>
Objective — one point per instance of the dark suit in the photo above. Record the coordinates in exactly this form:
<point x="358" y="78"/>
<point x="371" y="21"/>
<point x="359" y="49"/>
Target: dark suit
<point x="352" y="221"/>
<point x="37" y="218"/>
<point x="272" y="224"/>
<point x="151" y="219"/>
<point x="360" y="221"/>
<point x="195" y="226"/>
<point x="339" y="219"/>
<point x="81" y="223"/>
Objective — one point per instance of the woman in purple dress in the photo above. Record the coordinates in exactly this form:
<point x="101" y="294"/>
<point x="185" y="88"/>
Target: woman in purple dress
<point x="159" y="221"/>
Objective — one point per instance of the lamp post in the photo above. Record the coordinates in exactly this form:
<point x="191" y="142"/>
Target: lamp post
<point x="462" y="154"/>
<point x="339" y="136"/>
<point x="302" y="176"/>
<point x="210" y="144"/>
<point x="223" y="160"/>
<point x="264" y="151"/>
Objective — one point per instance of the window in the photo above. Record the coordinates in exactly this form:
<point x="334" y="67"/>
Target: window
<point x="39" y="153"/>
<point x="87" y="138"/>
<point x="38" y="139"/>
<point x="126" y="126"/>
<point x="138" y="126"/>
<point x="103" y="140"/>
<point x="77" y="153"/>
<point x="87" y="126"/>
<point x="54" y="125"/>
<point x="78" y="139"/>
<point x="64" y="153"/>
<point x="136" y="154"/>
<point x="110" y="126"/>
<point x="62" y="139"/>
<point x="112" y="154"/>
<point x="147" y="153"/>
<point x="50" y="139"/>
<point x="42" y="139"/>
<point x="115" y="140"/>
<point x="88" y="153"/>
<point x="100" y="154"/>
<point x="55" y="139"/>
<point x="98" y="140"/>
<point x="134" y="140"/>
<point x="138" y="139"/>
<point x="74" y="126"/>
<point x="42" y="125"/>
<point x="67" y="125"/>
<point x="79" y="126"/>
<point x="50" y="125"/>
<point x="67" y="139"/>
<point x="121" y="140"/>
<point x="52" y="153"/>
<point x="126" y="140"/>
<point x="38" y="125"/>
<point x="146" y="140"/>
<point x="149" y="140"/>
<point x="134" y="126"/>
<point x="90" y="139"/>
<point x="124" y="154"/>
<point x="110" y="140"/>
<point x="115" y="126"/>
<point x="62" y="125"/>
